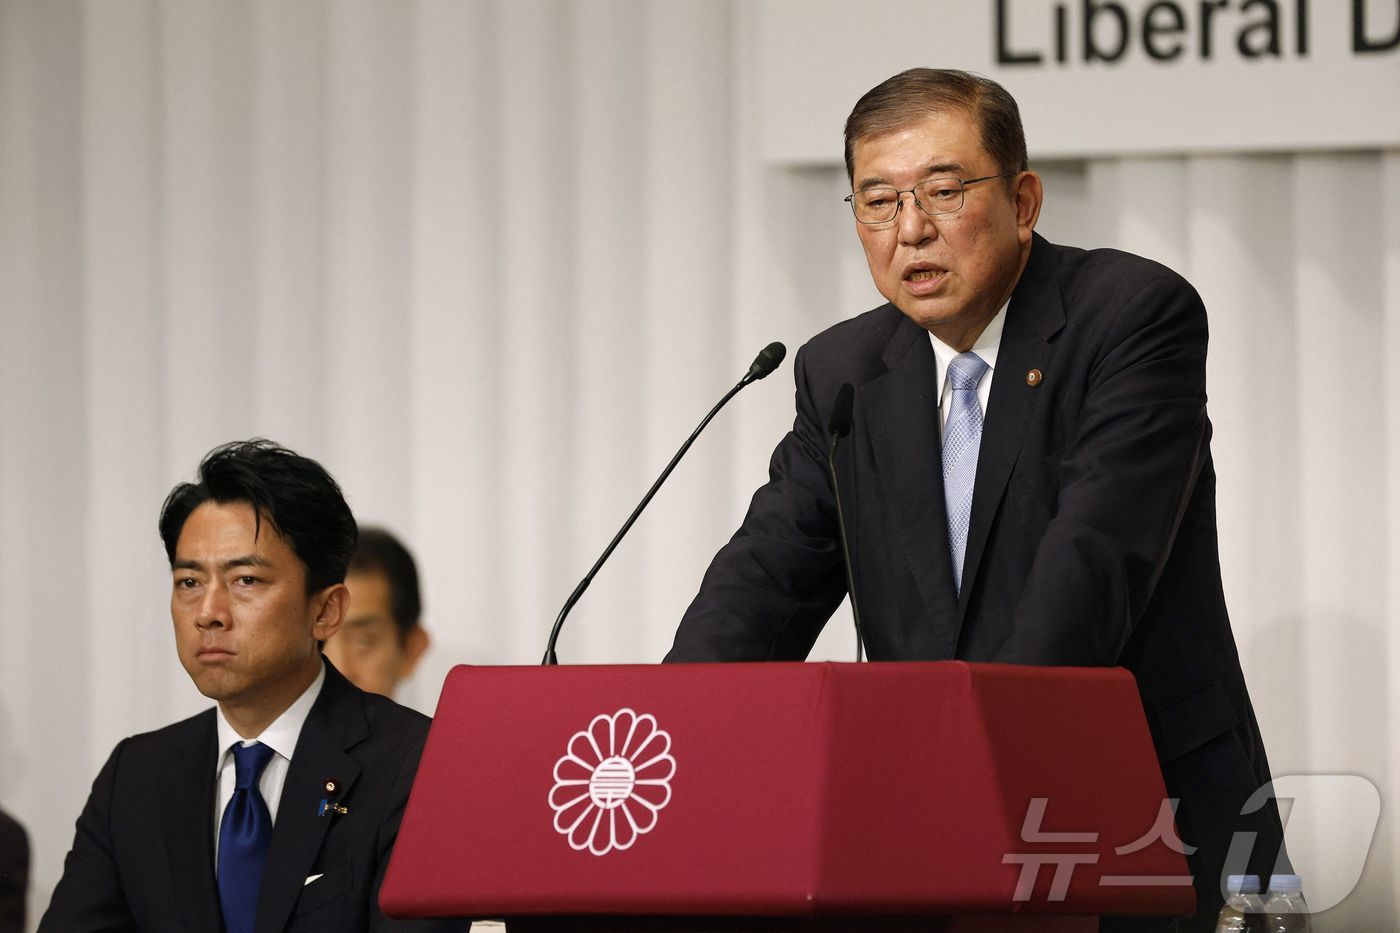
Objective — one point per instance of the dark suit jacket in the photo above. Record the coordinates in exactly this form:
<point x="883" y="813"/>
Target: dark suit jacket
<point x="1092" y="538"/>
<point x="14" y="874"/>
<point x="143" y="855"/>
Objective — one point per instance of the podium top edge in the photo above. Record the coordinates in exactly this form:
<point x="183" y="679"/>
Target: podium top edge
<point x="972" y="669"/>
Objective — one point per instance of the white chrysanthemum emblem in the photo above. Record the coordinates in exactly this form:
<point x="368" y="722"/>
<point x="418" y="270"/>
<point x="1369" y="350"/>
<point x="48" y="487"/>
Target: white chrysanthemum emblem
<point x="611" y="783"/>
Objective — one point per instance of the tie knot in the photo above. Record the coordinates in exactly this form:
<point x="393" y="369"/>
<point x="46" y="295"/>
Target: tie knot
<point x="248" y="763"/>
<point x="966" y="371"/>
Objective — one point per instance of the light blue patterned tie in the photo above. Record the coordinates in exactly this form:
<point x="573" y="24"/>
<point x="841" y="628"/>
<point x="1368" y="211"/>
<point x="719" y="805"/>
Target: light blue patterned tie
<point x="962" y="435"/>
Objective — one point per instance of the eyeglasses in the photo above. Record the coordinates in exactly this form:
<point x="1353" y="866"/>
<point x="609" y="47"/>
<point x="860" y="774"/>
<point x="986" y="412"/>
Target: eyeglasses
<point x="934" y="196"/>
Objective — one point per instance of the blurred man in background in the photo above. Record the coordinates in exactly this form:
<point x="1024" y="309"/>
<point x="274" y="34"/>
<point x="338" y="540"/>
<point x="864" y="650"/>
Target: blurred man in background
<point x="382" y="638"/>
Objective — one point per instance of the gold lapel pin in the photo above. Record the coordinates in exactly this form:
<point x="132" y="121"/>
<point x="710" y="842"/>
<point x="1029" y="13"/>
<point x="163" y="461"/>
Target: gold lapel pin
<point x="330" y="806"/>
<point x="331" y="786"/>
<point x="1034" y="377"/>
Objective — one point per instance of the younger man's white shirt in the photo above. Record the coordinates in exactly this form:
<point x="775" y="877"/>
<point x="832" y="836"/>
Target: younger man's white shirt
<point x="281" y="736"/>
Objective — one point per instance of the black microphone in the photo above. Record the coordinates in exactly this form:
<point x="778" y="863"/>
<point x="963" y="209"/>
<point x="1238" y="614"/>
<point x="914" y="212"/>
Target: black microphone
<point x="838" y="426"/>
<point x="767" y="360"/>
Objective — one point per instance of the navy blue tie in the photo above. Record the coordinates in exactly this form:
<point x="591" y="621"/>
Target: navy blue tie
<point x="244" y="832"/>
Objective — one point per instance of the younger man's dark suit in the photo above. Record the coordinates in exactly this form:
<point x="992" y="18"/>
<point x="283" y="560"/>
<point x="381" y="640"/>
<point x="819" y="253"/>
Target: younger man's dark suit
<point x="14" y="874"/>
<point x="1092" y="537"/>
<point x="143" y="856"/>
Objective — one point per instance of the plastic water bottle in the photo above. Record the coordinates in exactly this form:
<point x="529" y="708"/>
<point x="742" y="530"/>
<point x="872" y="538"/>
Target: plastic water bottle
<point x="1243" y="908"/>
<point x="1285" y="911"/>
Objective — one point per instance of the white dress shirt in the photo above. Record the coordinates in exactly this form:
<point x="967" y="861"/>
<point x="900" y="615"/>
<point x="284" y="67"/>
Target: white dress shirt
<point x="986" y="347"/>
<point x="281" y="737"/>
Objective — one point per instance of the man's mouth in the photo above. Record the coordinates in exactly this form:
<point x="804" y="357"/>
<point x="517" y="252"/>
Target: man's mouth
<point x="924" y="278"/>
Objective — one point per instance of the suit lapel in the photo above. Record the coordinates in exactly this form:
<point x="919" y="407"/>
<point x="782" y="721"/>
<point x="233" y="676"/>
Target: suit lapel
<point x="1035" y="315"/>
<point x="336" y="723"/>
<point x="187" y="822"/>
<point x="901" y="408"/>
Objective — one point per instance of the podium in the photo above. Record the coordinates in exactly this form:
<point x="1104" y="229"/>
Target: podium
<point x="788" y="796"/>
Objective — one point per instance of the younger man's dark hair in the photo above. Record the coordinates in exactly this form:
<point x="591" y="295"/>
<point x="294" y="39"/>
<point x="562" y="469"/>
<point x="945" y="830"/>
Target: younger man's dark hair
<point x="380" y="552"/>
<point x="294" y="494"/>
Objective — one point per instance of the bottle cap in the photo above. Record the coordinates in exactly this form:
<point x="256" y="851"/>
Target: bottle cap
<point x="1243" y="884"/>
<point x="1288" y="883"/>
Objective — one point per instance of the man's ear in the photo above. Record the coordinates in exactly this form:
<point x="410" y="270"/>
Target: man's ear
<point x="331" y="605"/>
<point x="415" y="643"/>
<point x="1028" y="193"/>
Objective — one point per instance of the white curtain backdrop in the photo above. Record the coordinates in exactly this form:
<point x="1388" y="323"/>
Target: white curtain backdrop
<point x="491" y="261"/>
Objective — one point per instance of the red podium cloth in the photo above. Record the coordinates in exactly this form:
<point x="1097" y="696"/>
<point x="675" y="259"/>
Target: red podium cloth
<point x="787" y="790"/>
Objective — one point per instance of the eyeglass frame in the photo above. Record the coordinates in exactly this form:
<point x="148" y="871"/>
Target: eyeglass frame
<point x="899" y="197"/>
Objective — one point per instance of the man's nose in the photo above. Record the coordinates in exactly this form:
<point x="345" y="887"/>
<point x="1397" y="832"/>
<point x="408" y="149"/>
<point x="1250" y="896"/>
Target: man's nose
<point x="214" y="608"/>
<point x="915" y="225"/>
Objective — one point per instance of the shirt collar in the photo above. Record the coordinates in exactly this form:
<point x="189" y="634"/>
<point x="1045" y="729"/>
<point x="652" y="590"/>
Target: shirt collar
<point x="281" y="736"/>
<point x="984" y="346"/>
